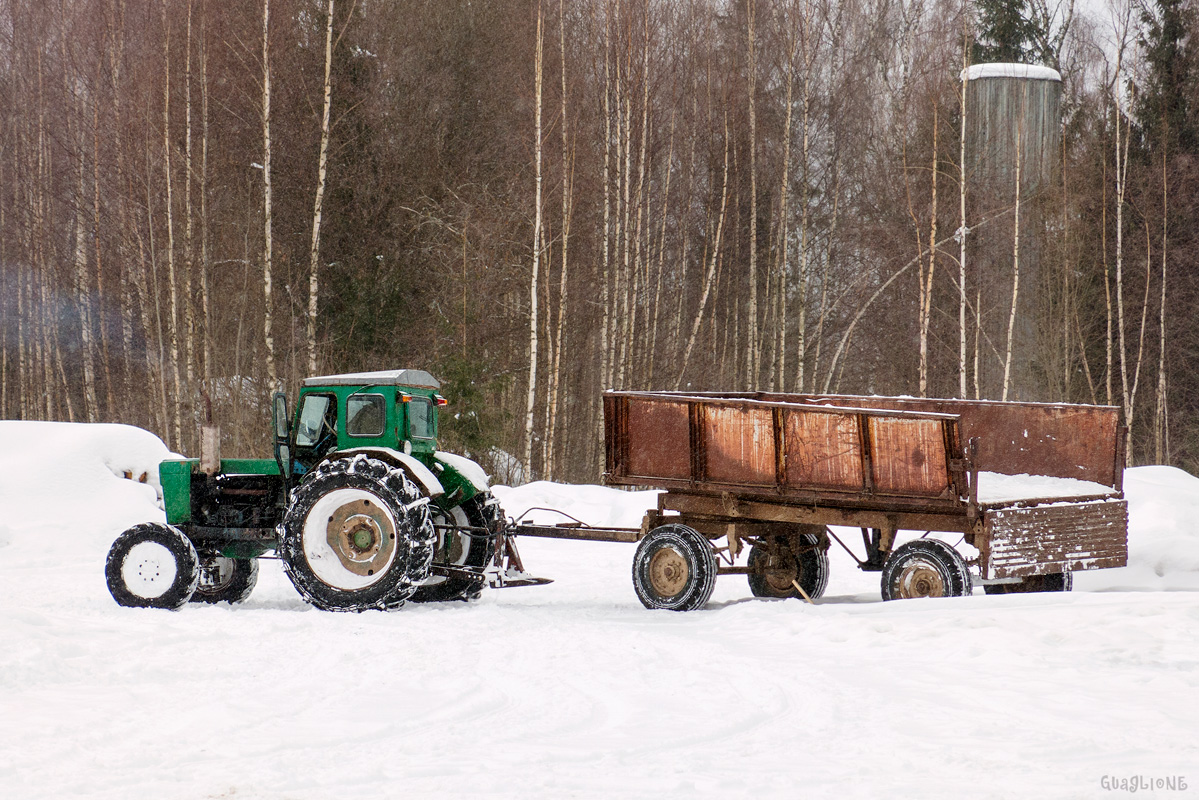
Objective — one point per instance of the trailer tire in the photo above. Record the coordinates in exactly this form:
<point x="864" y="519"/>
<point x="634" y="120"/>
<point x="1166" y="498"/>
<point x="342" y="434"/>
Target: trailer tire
<point x="152" y="565"/>
<point x="356" y="536"/>
<point x="1056" y="582"/>
<point x="925" y="568"/>
<point x="674" y="569"/>
<point x="773" y="568"/>
<point x="481" y="511"/>
<point x="225" y="580"/>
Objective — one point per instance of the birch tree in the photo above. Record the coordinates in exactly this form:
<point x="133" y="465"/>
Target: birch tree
<point x="322" y="166"/>
<point x="268" y="338"/>
<point x="533" y="338"/>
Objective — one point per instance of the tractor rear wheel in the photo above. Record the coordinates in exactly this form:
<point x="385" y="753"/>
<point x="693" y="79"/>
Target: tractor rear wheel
<point x="356" y="536"/>
<point x="225" y="580"/>
<point x="152" y="566"/>
<point x="776" y="567"/>
<point x="455" y="549"/>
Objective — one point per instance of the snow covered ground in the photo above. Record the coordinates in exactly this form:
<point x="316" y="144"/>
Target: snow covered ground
<point x="573" y="689"/>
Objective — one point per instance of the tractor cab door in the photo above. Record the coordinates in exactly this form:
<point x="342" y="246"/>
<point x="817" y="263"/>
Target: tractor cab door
<point x="281" y="427"/>
<point x="316" y="430"/>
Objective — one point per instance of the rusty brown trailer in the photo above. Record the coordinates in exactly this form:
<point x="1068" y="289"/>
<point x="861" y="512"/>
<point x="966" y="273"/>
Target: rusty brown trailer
<point x="746" y="466"/>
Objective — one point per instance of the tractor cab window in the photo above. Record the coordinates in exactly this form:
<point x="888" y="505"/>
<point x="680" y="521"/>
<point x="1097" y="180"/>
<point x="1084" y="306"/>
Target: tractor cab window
<point x="366" y="415"/>
<point x="420" y="418"/>
<point x="317" y="428"/>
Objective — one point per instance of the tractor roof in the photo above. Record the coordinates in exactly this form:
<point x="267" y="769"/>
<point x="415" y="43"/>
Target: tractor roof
<point x="387" y="377"/>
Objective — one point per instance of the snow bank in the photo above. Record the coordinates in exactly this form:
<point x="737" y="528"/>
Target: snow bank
<point x="1163" y="520"/>
<point x="78" y="482"/>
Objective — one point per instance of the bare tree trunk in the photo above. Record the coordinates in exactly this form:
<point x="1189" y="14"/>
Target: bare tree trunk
<point x="653" y="339"/>
<point x="926" y="286"/>
<point x="189" y="308"/>
<point x="567" y="168"/>
<point x="82" y="281"/>
<point x="751" y="328"/>
<point x="315" y="248"/>
<point x="778" y="374"/>
<point x="1011" y="321"/>
<point x="105" y="353"/>
<point x="1159" y="418"/>
<point x="963" y="230"/>
<point x="115" y="21"/>
<point x="173" y="318"/>
<point x="605" y="329"/>
<point x="205" y="300"/>
<point x="708" y="279"/>
<point x="606" y="323"/>
<point x="1121" y="187"/>
<point x="801" y="332"/>
<point x="268" y="338"/>
<point x="532" y="394"/>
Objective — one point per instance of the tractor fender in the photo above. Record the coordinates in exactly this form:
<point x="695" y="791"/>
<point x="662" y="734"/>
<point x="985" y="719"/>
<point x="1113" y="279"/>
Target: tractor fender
<point x="415" y="469"/>
<point x="465" y="467"/>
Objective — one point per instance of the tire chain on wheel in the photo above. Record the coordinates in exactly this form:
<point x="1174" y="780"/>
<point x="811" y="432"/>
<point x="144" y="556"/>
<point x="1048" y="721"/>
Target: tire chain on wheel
<point x="413" y="553"/>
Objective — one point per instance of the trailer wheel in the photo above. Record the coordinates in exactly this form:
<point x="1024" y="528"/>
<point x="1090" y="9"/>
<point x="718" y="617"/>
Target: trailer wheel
<point x="925" y="568"/>
<point x="356" y="536"/>
<point x="774" y="568"/>
<point x="152" y="566"/>
<point x="1057" y="582"/>
<point x="225" y="580"/>
<point x="458" y="549"/>
<point x="674" y="568"/>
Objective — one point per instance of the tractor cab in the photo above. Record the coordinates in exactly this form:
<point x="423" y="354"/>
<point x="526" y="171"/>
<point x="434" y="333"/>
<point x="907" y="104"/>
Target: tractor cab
<point x="392" y="409"/>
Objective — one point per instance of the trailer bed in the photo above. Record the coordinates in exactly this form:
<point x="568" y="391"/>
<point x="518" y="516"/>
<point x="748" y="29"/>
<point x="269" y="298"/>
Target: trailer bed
<point x="1034" y="488"/>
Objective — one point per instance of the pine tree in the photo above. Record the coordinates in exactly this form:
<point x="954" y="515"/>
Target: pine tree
<point x="1163" y="102"/>
<point x="1006" y="33"/>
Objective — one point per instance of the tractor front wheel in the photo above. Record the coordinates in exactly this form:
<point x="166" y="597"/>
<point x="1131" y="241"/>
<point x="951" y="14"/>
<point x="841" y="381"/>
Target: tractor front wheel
<point x="152" y="566"/>
<point x="357" y="536"/>
<point x="225" y="580"/>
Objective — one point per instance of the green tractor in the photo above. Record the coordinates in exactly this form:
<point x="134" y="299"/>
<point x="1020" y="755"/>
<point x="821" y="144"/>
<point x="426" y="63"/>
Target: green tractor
<point x="358" y="504"/>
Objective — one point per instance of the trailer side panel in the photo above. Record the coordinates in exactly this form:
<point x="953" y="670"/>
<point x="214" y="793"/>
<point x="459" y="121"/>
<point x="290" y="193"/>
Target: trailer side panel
<point x="1062" y="537"/>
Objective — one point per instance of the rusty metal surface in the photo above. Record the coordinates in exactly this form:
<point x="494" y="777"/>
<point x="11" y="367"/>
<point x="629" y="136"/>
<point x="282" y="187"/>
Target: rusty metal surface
<point x="1059" y="439"/>
<point x="739" y="444"/>
<point x="578" y="533"/>
<point x="658" y="437"/>
<point x="1062" y="537"/>
<point x="822" y="450"/>
<point x="909" y="456"/>
<point x="722" y="509"/>
<point x="777" y="448"/>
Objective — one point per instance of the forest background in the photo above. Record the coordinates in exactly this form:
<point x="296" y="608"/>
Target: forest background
<point x="538" y="201"/>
